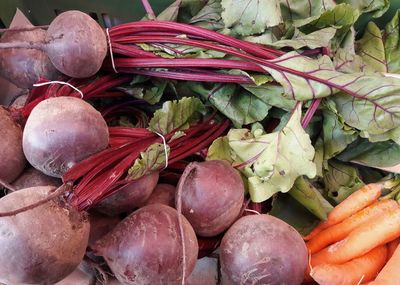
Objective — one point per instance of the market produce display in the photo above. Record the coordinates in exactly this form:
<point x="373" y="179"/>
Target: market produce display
<point x="258" y="141"/>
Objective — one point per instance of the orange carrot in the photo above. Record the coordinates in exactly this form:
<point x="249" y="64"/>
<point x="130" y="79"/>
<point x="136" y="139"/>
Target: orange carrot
<point x="363" y="268"/>
<point x="392" y="247"/>
<point x="357" y="201"/>
<point x="361" y="240"/>
<point x="341" y="230"/>
<point x="390" y="272"/>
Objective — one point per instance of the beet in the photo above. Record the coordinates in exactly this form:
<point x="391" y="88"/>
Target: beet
<point x="23" y="67"/>
<point x="163" y="194"/>
<point x="100" y="225"/>
<point x="212" y="196"/>
<point x="32" y="177"/>
<point x="42" y="245"/>
<point x="130" y="197"/>
<point x="12" y="159"/>
<point x="62" y="131"/>
<point x="76" y="44"/>
<point x="262" y="249"/>
<point x="146" y="247"/>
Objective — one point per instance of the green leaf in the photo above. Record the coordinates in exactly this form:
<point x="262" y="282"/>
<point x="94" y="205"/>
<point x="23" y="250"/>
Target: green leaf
<point x="209" y="16"/>
<point x="292" y="212"/>
<point x="370" y="48"/>
<point x="151" y="160"/>
<point x="371" y="102"/>
<point x="341" y="180"/>
<point x="307" y="195"/>
<point x="171" y="12"/>
<point x="304" y="9"/>
<point x="320" y="38"/>
<point x="176" y="115"/>
<point x="248" y="17"/>
<point x="336" y="134"/>
<point x="377" y="7"/>
<point x="150" y="90"/>
<point x="378" y="155"/>
<point x="392" y="44"/>
<point x="271" y="94"/>
<point x="347" y="61"/>
<point x="239" y="105"/>
<point x="272" y="162"/>
<point x="319" y="156"/>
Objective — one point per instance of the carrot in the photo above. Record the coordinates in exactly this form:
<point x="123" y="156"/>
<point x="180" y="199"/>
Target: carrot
<point x="363" y="268"/>
<point x="390" y="272"/>
<point x="392" y="247"/>
<point x="341" y="230"/>
<point x="357" y="201"/>
<point x="361" y="240"/>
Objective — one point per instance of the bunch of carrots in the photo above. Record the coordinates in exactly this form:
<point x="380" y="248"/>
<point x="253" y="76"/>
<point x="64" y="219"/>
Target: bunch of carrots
<point x="358" y="243"/>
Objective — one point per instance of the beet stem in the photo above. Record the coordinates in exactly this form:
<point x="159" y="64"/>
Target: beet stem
<point x="57" y="192"/>
<point x="149" y="10"/>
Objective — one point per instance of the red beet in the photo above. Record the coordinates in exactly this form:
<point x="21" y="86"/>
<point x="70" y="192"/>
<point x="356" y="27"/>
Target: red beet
<point x="130" y="197"/>
<point x="62" y="131"/>
<point x="32" y="177"/>
<point x="212" y="196"/>
<point x="12" y="159"/>
<point x="146" y="247"/>
<point x="262" y="249"/>
<point x="163" y="194"/>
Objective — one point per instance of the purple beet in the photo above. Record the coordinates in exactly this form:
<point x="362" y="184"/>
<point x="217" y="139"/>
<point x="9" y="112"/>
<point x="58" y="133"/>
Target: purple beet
<point x="32" y="177"/>
<point x="163" y="194"/>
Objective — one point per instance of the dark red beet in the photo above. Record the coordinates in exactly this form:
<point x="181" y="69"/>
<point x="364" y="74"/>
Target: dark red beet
<point x="62" y="131"/>
<point x="32" y="177"/>
<point x="146" y="247"/>
<point x="77" y="45"/>
<point x="262" y="249"/>
<point x="12" y="159"/>
<point x="132" y="196"/>
<point x="23" y="66"/>
<point x="163" y="194"/>
<point x="100" y="225"/>
<point x="212" y="196"/>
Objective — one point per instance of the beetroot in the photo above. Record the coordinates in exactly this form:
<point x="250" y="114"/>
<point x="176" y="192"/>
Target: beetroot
<point x="42" y="245"/>
<point x="212" y="196"/>
<point x="163" y="194"/>
<point x="130" y="196"/>
<point x="62" y="131"/>
<point x="262" y="249"/>
<point x="32" y="177"/>
<point x="12" y="159"/>
<point x="76" y="44"/>
<point x="146" y="247"/>
<point x="24" y="67"/>
<point x="100" y="225"/>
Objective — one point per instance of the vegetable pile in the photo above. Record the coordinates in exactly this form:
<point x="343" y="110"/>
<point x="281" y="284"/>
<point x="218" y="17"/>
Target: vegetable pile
<point x="258" y="140"/>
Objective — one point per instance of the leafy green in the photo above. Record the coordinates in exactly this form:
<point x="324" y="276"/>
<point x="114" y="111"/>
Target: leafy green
<point x="341" y="180"/>
<point x="209" y="16"/>
<point x="236" y="103"/>
<point x="293" y="10"/>
<point x="377" y="7"/>
<point x="392" y="44"/>
<point x="379" y="154"/>
<point x="176" y="115"/>
<point x="319" y="38"/>
<point x="292" y="212"/>
<point x="271" y="162"/>
<point x="248" y="17"/>
<point x="307" y="195"/>
<point x="152" y="159"/>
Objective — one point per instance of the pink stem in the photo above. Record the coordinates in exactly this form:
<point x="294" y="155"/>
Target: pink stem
<point x="149" y="9"/>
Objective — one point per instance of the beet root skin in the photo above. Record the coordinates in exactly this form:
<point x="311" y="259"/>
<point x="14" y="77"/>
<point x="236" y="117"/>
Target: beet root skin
<point x="76" y="44"/>
<point x="163" y="194"/>
<point x="23" y="67"/>
<point x="62" y="131"/>
<point x="212" y="196"/>
<point x="12" y="161"/>
<point x="146" y="248"/>
<point x="262" y="249"/>
<point x="32" y="177"/>
<point x="130" y="197"/>
<point x="42" y="245"/>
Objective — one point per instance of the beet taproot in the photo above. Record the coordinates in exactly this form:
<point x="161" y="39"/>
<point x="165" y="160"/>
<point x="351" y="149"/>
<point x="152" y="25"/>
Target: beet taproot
<point x="42" y="245"/>
<point x="262" y="249"/>
<point x="163" y="194"/>
<point x="62" y="131"/>
<point x="12" y="159"/>
<point x="146" y="247"/>
<point x="32" y="177"/>
<point x="212" y="196"/>
<point x="130" y="197"/>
